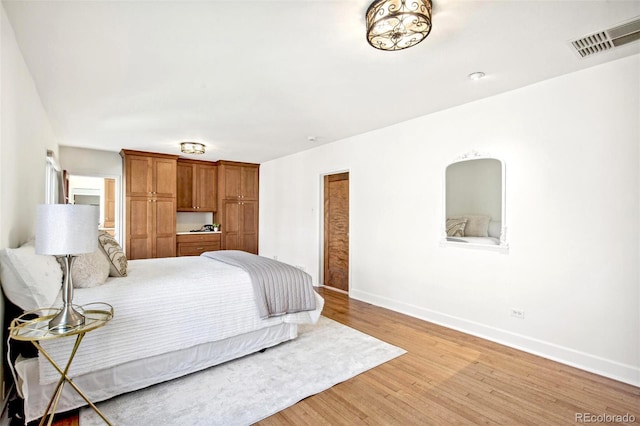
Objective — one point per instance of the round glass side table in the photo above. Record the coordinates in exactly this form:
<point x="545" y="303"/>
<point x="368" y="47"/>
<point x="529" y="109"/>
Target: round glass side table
<point x="33" y="326"/>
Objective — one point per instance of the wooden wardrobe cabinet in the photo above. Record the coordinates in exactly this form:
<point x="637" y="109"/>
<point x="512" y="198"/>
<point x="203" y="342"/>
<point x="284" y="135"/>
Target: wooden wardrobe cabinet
<point x="149" y="174"/>
<point x="240" y="225"/>
<point x="238" y="188"/>
<point x="150" y="204"/>
<point x="197" y="186"/>
<point x="238" y="180"/>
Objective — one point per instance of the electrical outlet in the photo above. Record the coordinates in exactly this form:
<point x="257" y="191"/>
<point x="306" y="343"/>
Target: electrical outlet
<point x="275" y="257"/>
<point x="517" y="313"/>
<point x="300" y="267"/>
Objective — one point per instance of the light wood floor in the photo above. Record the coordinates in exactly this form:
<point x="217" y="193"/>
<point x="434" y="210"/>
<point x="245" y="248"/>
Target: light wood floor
<point x="447" y="377"/>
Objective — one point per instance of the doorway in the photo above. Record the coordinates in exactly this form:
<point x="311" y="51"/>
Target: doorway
<point x="336" y="231"/>
<point x="97" y="191"/>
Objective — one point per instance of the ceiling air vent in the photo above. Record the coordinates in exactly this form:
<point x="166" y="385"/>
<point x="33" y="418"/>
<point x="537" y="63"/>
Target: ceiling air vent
<point x="608" y="39"/>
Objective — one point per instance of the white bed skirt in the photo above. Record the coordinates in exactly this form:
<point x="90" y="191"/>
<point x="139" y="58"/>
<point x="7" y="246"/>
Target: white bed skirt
<point x="134" y="375"/>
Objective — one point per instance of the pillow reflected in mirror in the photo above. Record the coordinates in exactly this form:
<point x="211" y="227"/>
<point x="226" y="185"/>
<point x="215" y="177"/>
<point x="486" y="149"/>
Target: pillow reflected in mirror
<point x="455" y="227"/>
<point x="477" y="225"/>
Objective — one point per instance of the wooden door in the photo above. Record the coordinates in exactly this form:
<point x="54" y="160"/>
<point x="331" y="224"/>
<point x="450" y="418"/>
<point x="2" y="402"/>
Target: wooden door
<point x="207" y="188"/>
<point x="186" y="187"/>
<point x="139" y="228"/>
<point x="138" y="176"/>
<point x="249" y="226"/>
<point x="336" y="231"/>
<point x="231" y="225"/>
<point x="232" y="181"/>
<point x="164" y="221"/>
<point x="250" y="182"/>
<point x="109" y="203"/>
<point x="164" y="177"/>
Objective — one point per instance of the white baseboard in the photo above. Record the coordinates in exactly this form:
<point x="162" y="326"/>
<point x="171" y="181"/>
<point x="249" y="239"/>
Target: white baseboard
<point x="604" y="367"/>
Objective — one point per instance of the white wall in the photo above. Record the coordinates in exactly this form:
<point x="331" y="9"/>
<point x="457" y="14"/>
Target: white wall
<point x="91" y="162"/>
<point x="25" y="136"/>
<point x="571" y="147"/>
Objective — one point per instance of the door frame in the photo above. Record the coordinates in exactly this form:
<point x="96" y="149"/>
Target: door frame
<point x="321" y="228"/>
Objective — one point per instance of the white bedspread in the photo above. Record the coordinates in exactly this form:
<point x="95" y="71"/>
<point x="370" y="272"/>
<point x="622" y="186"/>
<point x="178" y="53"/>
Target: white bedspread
<point x="161" y="306"/>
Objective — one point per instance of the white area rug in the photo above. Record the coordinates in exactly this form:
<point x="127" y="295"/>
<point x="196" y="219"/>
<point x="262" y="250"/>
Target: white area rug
<point x="252" y="388"/>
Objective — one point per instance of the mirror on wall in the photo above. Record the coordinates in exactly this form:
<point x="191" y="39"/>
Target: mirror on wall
<point x="474" y="203"/>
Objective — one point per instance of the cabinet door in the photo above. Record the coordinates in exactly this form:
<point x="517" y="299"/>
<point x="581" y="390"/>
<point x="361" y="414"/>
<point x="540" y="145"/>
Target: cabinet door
<point x="250" y="181"/>
<point x="164" y="218"/>
<point x="249" y="226"/>
<point x="139" y="228"/>
<point x="232" y="181"/>
<point x="240" y="230"/>
<point x="231" y="226"/>
<point x="207" y="188"/>
<point x="164" y="177"/>
<point x="186" y="196"/>
<point x="138" y="176"/>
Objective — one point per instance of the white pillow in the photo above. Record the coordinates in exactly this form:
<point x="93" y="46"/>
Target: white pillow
<point x="29" y="280"/>
<point x="90" y="269"/>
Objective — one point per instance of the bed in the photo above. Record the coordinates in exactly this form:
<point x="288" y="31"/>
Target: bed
<point x="172" y="317"/>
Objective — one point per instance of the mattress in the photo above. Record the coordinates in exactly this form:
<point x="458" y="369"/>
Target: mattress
<point x="164" y="305"/>
<point x="138" y="374"/>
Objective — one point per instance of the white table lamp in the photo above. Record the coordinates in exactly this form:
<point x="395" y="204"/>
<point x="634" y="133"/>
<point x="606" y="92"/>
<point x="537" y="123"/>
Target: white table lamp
<point x="65" y="231"/>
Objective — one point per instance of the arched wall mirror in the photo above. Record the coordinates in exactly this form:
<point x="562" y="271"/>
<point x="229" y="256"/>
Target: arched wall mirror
<point x="474" y="203"/>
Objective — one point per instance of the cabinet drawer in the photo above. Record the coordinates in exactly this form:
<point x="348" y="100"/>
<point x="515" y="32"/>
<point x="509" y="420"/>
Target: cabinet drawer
<point x="196" y="249"/>
<point x="199" y="238"/>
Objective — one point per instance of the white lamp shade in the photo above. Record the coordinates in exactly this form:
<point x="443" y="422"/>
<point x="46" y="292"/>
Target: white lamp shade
<point x="63" y="229"/>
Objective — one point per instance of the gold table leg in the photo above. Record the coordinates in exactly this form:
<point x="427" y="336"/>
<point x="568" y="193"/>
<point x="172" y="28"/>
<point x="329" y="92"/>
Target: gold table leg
<point x="64" y="378"/>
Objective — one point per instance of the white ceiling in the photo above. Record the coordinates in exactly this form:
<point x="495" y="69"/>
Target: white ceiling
<point x="253" y="80"/>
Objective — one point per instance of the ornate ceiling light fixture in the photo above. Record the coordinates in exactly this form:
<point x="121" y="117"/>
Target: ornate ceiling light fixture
<point x="398" y="24"/>
<point x="192" y="147"/>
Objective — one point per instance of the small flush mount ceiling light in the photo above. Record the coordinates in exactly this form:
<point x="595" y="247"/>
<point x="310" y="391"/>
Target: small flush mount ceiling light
<point x="192" y="148"/>
<point x="476" y="75"/>
<point x="398" y="24"/>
